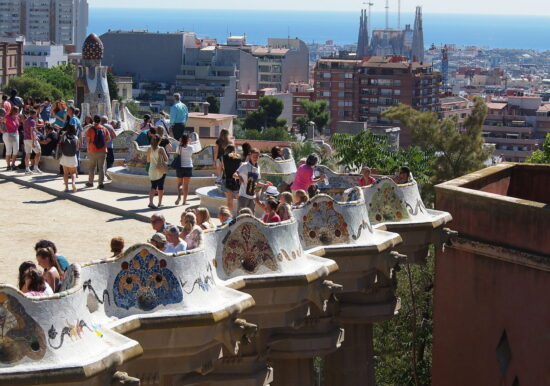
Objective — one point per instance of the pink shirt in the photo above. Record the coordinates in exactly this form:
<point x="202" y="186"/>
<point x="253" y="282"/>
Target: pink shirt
<point x="274" y="218"/>
<point x="303" y="179"/>
<point x="362" y="181"/>
<point x="12" y="123"/>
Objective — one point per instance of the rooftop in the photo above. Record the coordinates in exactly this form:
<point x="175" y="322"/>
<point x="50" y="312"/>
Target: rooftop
<point x="218" y="117"/>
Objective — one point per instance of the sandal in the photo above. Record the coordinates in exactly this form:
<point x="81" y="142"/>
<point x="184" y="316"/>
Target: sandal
<point x="178" y="201"/>
<point x="152" y="206"/>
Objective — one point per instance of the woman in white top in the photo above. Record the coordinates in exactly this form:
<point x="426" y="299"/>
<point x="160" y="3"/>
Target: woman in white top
<point x="158" y="167"/>
<point x="185" y="170"/>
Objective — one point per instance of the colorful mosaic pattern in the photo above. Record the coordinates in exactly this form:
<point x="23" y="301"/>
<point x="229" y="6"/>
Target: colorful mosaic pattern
<point x="123" y="142"/>
<point x="324" y="225"/>
<point x="145" y="282"/>
<point x="247" y="248"/>
<point x="20" y="335"/>
<point x="92" y="48"/>
<point x="385" y="204"/>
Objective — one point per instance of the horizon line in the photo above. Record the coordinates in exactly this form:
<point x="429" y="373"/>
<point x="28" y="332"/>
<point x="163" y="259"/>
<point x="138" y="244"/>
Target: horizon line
<point x="320" y="10"/>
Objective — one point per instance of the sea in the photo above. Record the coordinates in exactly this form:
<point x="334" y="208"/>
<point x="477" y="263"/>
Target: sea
<point x="490" y="31"/>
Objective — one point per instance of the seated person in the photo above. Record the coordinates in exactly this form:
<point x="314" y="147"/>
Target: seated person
<point x="144" y="138"/>
<point x="34" y="283"/>
<point x="300" y="198"/>
<point x="53" y="274"/>
<point x="174" y="244"/>
<point x="117" y="246"/>
<point x="224" y="215"/>
<point x="277" y="153"/>
<point x="246" y="211"/>
<point x="404" y="176"/>
<point x="62" y="260"/>
<point x="203" y="218"/>
<point x="271" y="215"/>
<point x="366" y="178"/>
<point x="158" y="222"/>
<point x="192" y="233"/>
<point x="158" y="241"/>
<point x="284" y="209"/>
<point x="48" y="143"/>
<point x="268" y="192"/>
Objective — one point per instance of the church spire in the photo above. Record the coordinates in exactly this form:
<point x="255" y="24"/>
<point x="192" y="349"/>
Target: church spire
<point x="363" y="38"/>
<point x="418" y="37"/>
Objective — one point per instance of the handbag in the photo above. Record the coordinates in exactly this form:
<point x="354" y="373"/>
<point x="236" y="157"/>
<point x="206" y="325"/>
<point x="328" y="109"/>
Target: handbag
<point x="162" y="161"/>
<point x="176" y="163"/>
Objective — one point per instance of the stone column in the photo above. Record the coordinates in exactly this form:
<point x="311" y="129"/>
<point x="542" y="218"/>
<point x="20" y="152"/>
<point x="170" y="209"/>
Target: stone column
<point x="353" y="363"/>
<point x="293" y="372"/>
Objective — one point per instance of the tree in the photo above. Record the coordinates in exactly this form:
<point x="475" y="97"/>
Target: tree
<point x="267" y="114"/>
<point x="302" y="123"/>
<point x="214" y="104"/>
<point x="113" y="88"/>
<point x="31" y="87"/>
<point x="541" y="156"/>
<point x="316" y="112"/>
<point x="59" y="77"/>
<point x="269" y="134"/>
<point x="366" y="148"/>
<point x="458" y="152"/>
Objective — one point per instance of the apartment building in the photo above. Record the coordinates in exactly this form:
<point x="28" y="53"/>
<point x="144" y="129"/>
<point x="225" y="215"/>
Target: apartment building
<point x="43" y="54"/>
<point x="58" y="21"/>
<point x="516" y="125"/>
<point x="11" y="53"/>
<point x="455" y="106"/>
<point x="361" y="90"/>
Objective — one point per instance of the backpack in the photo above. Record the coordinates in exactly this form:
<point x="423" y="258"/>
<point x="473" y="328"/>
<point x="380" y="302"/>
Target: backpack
<point x="68" y="148"/>
<point x="99" y="138"/>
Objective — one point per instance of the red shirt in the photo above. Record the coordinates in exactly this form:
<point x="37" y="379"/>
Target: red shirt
<point x="371" y="181"/>
<point x="274" y="218"/>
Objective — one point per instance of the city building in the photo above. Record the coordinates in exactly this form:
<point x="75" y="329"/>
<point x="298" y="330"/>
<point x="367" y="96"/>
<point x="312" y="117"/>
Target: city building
<point x="125" y="86"/>
<point x="43" y="54"/>
<point x="158" y="59"/>
<point x="207" y="124"/>
<point x="516" y="125"/>
<point x="11" y="60"/>
<point x="361" y="90"/>
<point x="392" y="41"/>
<point x="249" y="102"/>
<point x="455" y="106"/>
<point x="58" y="21"/>
<point x="490" y="317"/>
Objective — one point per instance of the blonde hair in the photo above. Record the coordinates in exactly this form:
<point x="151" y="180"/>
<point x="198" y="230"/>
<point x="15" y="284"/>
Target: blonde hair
<point x="189" y="221"/>
<point x="204" y="215"/>
<point x="302" y="195"/>
<point x="224" y="211"/>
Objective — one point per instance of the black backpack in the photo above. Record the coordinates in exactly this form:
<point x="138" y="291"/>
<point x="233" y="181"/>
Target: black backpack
<point x="69" y="148"/>
<point x="99" y="138"/>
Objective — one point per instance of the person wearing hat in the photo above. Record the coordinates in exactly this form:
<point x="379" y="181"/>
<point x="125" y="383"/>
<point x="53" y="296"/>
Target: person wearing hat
<point x="174" y="243"/>
<point x="270" y="193"/>
<point x="158" y="241"/>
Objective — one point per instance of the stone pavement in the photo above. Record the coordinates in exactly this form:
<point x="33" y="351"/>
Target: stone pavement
<point x="124" y="204"/>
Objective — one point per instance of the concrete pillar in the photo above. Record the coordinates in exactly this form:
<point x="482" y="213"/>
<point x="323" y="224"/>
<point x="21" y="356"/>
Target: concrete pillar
<point x="293" y="372"/>
<point x="353" y="363"/>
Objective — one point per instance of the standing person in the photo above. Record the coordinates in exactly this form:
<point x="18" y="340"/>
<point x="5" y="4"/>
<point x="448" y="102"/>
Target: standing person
<point x="249" y="175"/>
<point x="60" y="114"/>
<point x="96" y="140"/>
<point x="73" y="119"/>
<point x="158" y="160"/>
<point x="46" y="111"/>
<point x="69" y="147"/>
<point x="6" y="104"/>
<point x="178" y="117"/>
<point x="246" y="151"/>
<point x="230" y="164"/>
<point x="30" y="140"/>
<point x="221" y="144"/>
<point x="11" y="137"/>
<point x="185" y="170"/>
<point x="112" y="134"/>
<point x="304" y="175"/>
<point x="15" y="100"/>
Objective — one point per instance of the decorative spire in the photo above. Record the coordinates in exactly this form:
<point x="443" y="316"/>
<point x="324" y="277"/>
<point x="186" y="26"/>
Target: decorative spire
<point x="92" y="49"/>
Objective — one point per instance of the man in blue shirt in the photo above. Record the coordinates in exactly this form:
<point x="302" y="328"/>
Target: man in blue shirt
<point x="178" y="117"/>
<point x="45" y="113"/>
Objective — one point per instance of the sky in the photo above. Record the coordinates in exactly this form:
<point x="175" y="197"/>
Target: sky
<point x="506" y="7"/>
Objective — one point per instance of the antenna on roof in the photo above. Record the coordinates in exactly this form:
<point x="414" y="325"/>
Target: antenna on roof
<point x="387" y="13"/>
<point x="398" y="14"/>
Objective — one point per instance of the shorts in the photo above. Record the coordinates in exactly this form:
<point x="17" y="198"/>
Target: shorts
<point x="11" y="143"/>
<point x="225" y="189"/>
<point x="184" y="172"/>
<point x="30" y="147"/>
<point x="245" y="202"/>
<point x="158" y="184"/>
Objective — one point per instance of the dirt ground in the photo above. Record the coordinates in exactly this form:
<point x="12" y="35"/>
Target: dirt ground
<point x="80" y="233"/>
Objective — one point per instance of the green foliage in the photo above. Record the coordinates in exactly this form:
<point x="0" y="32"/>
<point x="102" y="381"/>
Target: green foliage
<point x="366" y="148"/>
<point x="303" y="149"/>
<point x="59" y="77"/>
<point x="113" y="88"/>
<point x="214" y="104"/>
<point x="269" y="134"/>
<point x="136" y="110"/>
<point x="302" y="122"/>
<point x="316" y="112"/>
<point x="458" y="153"/>
<point x="30" y="87"/>
<point x="267" y="115"/>
<point x="541" y="156"/>
<point x="393" y="339"/>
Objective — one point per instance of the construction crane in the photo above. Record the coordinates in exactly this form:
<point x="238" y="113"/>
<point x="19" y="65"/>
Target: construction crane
<point x="445" y="67"/>
<point x="387" y="13"/>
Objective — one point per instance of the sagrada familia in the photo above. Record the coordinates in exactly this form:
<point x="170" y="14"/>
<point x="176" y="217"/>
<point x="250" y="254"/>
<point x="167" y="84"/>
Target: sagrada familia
<point x="389" y="41"/>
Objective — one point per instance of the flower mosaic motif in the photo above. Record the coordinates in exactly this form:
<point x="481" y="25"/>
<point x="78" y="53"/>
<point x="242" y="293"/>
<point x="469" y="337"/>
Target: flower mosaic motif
<point x="20" y="335"/>
<point x="247" y="248"/>
<point x="145" y="282"/>
<point x="323" y="225"/>
<point x="385" y="204"/>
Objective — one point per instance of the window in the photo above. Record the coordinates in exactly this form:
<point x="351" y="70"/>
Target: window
<point x="341" y="85"/>
<point x="325" y="93"/>
<point x="348" y="75"/>
<point x="326" y="75"/>
<point x="396" y="92"/>
<point x="204" y="132"/>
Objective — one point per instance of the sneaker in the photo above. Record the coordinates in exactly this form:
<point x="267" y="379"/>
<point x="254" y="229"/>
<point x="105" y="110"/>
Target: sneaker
<point x="101" y="186"/>
<point x="27" y="171"/>
<point x="89" y="185"/>
<point x="152" y="206"/>
<point x="37" y="171"/>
